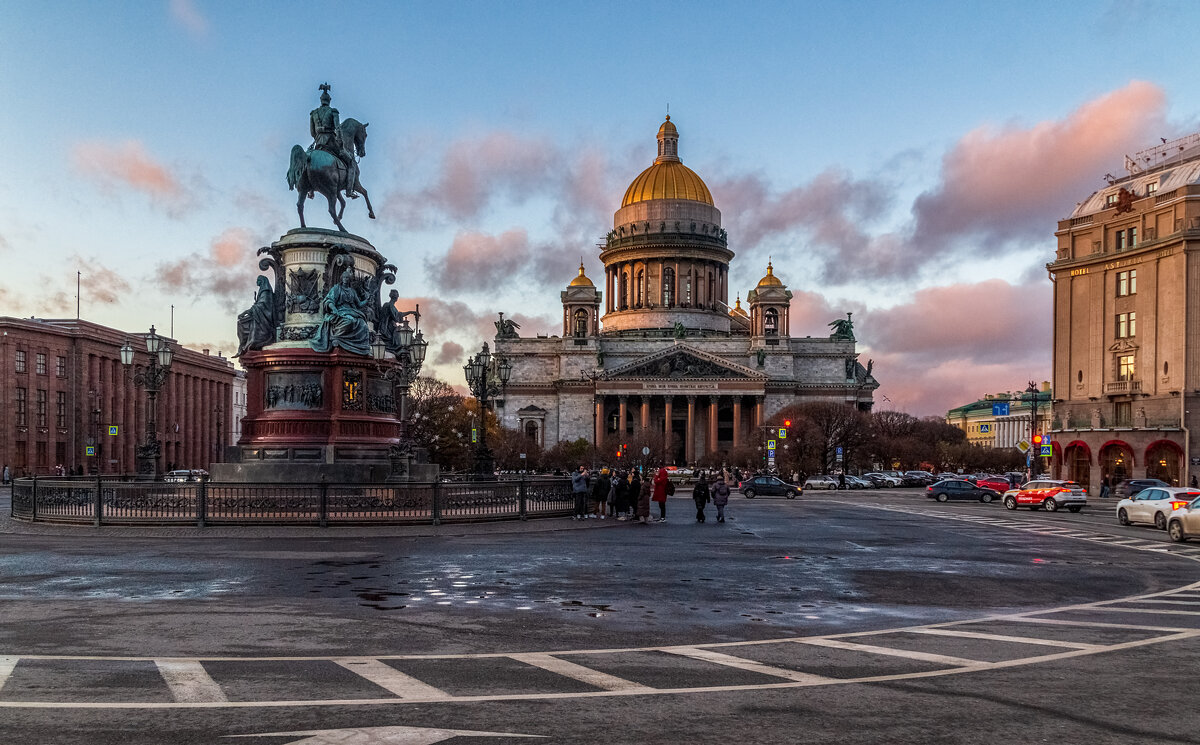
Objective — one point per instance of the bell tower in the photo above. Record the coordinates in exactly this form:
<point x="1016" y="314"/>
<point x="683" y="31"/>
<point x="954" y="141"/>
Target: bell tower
<point x="770" y="304"/>
<point x="581" y="307"/>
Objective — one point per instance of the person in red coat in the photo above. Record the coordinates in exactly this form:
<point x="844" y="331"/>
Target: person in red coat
<point x="662" y="487"/>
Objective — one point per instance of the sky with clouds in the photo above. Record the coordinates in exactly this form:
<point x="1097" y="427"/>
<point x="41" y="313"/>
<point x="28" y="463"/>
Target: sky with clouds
<point x="906" y="162"/>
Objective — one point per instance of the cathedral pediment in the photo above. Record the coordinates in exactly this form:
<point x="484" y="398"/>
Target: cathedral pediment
<point x="683" y="362"/>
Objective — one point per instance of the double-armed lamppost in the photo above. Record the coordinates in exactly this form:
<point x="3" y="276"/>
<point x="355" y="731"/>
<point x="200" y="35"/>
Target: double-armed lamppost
<point x="152" y="377"/>
<point x="592" y="375"/>
<point x="487" y="377"/>
<point x="408" y="347"/>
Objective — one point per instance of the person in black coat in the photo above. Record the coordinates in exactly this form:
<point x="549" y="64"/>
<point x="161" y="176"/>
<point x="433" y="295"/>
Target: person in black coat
<point x="700" y="497"/>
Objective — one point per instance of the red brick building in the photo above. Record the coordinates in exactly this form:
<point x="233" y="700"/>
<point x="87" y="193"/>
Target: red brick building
<point x="63" y="389"/>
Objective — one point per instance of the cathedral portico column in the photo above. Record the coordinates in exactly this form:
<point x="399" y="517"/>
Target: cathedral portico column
<point x="623" y="408"/>
<point x="713" y="403"/>
<point x="690" y="444"/>
<point x="597" y="438"/>
<point x="758" y="411"/>
<point x="667" y="425"/>
<point x="645" y="414"/>
<point x="737" y="421"/>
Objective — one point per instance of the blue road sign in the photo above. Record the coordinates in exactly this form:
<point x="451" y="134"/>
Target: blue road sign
<point x="1000" y="409"/>
<point x="90" y="450"/>
<point x="1047" y="451"/>
<point x="770" y="444"/>
<point x="985" y="428"/>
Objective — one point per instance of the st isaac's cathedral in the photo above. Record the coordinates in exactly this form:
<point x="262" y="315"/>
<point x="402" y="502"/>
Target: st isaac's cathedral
<point x="670" y="361"/>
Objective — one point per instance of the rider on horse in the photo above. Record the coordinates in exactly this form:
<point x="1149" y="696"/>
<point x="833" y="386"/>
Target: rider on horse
<point x="323" y="126"/>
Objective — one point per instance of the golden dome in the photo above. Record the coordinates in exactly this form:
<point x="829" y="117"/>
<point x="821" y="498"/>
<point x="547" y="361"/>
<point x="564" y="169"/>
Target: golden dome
<point x="770" y="280"/>
<point x="737" y="309"/>
<point x="667" y="180"/>
<point x="581" y="280"/>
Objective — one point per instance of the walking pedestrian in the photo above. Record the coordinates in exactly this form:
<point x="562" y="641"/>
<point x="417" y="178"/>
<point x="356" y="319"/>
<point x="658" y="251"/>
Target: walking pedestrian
<point x="662" y="481"/>
<point x="700" y="497"/>
<point x="610" y="501"/>
<point x="579" y="487"/>
<point x="1105" y="487"/>
<point x="1191" y="483"/>
<point x="720" y="498"/>
<point x="600" y="494"/>
<point x="633" y="492"/>
<point x="6" y="475"/>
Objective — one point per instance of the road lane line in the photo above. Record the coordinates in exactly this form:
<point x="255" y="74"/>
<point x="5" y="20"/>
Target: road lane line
<point x="1003" y="638"/>
<point x="6" y="667"/>
<point x="1097" y="624"/>
<point x="1171" y="602"/>
<point x="579" y="672"/>
<point x="390" y="679"/>
<point x="189" y="681"/>
<point x="728" y="660"/>
<point x="872" y="649"/>
<point x="1165" y="611"/>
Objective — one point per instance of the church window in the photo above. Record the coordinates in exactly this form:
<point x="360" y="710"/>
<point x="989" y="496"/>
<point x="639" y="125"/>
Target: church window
<point x="771" y="322"/>
<point x="712" y="291"/>
<point x="581" y="322"/>
<point x="623" y="291"/>
<point x="668" y="287"/>
<point x="639" y="289"/>
<point x="687" y="291"/>
<point x="531" y="431"/>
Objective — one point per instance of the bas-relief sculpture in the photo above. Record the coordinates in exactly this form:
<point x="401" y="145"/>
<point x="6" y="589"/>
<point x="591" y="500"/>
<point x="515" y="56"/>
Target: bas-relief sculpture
<point x="256" y="325"/>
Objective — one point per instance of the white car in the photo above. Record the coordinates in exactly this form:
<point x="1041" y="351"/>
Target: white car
<point x="1184" y="523"/>
<point x="889" y="480"/>
<point x="183" y="475"/>
<point x="821" y="482"/>
<point x="1154" y="505"/>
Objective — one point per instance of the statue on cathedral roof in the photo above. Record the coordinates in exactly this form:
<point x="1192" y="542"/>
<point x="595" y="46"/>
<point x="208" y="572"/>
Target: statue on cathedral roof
<point x="843" y="329"/>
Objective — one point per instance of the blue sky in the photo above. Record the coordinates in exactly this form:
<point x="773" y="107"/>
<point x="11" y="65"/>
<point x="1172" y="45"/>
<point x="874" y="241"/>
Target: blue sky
<point x="905" y="161"/>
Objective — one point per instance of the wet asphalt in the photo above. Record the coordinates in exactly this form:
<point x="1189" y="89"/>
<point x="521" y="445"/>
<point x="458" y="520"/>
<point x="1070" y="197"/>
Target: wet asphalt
<point x="824" y="564"/>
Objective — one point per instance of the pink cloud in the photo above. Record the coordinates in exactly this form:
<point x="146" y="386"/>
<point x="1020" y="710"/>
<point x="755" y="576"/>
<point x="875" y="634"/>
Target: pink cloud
<point x="128" y="164"/>
<point x="476" y="261"/>
<point x="449" y="354"/>
<point x="225" y="271"/>
<point x="98" y="283"/>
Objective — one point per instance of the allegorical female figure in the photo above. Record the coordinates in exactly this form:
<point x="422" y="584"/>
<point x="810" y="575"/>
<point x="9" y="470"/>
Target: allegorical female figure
<point x="256" y="324"/>
<point x="344" y="319"/>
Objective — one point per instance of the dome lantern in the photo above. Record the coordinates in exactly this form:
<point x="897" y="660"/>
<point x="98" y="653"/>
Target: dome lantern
<point x="668" y="142"/>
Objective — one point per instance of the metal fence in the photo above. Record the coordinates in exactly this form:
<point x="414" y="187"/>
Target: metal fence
<point x="98" y="501"/>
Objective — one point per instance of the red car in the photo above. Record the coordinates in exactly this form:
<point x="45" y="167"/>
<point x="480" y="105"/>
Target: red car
<point x="998" y="484"/>
<point x="1048" y="494"/>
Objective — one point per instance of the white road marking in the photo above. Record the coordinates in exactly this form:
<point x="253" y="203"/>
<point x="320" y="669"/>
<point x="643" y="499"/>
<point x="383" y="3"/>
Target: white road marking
<point x="389" y="678"/>
<point x="1165" y="611"/>
<point x="744" y="664"/>
<point x="380" y="736"/>
<point x="1171" y="602"/>
<point x="941" y="659"/>
<point x="1096" y="624"/>
<point x="6" y="667"/>
<point x="189" y="681"/>
<point x="579" y="672"/>
<point x="1003" y="638"/>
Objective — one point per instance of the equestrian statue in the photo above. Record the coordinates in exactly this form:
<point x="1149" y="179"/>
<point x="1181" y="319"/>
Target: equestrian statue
<point x="330" y="164"/>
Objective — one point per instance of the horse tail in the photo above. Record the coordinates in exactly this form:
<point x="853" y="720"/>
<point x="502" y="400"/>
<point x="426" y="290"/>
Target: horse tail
<point x="296" y="169"/>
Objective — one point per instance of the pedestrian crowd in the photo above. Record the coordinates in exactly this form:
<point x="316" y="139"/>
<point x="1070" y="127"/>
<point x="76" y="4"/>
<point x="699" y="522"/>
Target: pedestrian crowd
<point x="626" y="495"/>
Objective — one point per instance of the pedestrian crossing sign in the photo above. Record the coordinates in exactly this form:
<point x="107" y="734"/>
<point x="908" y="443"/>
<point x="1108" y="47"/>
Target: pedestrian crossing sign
<point x="770" y="444"/>
<point x="112" y="430"/>
<point x="90" y="450"/>
<point x="1047" y="451"/>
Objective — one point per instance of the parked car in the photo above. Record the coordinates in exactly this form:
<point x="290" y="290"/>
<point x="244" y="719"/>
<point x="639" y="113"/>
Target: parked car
<point x="1184" y="523"/>
<point x="889" y="481"/>
<point x="878" y="480"/>
<point x="769" y="486"/>
<point x="821" y="482"/>
<point x="194" y="474"/>
<point x="998" y="484"/>
<point x="925" y="477"/>
<point x="960" y="489"/>
<point x="1130" y="487"/>
<point x="1154" y="505"/>
<point x="858" y="482"/>
<point x="1047" y="493"/>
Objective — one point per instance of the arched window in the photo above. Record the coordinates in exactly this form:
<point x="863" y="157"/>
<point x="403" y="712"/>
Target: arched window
<point x="685" y="300"/>
<point x="531" y="430"/>
<point x="712" y="291"/>
<point x="771" y="322"/>
<point x="639" y="288"/>
<point x="668" y="287"/>
<point x="623" y="292"/>
<point x="581" y="322"/>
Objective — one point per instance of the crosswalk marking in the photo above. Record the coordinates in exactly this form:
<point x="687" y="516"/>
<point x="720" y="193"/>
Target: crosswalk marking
<point x="1171" y="602"/>
<point x="389" y="678"/>
<point x="6" y="667"/>
<point x="189" y="681"/>
<point x="744" y="664"/>
<point x="1005" y="638"/>
<point x="1148" y="610"/>
<point x="871" y="649"/>
<point x="1097" y="624"/>
<point x="579" y="672"/>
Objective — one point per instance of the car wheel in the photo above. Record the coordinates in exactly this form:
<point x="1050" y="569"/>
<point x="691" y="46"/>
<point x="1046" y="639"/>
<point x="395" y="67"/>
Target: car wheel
<point x="1122" y="516"/>
<point x="1050" y="505"/>
<point x="941" y="497"/>
<point x="748" y="494"/>
<point x="985" y="497"/>
<point x="791" y="495"/>
<point x="1010" y="503"/>
<point x="1175" y="530"/>
<point x="1075" y="507"/>
<point x="1160" y="521"/>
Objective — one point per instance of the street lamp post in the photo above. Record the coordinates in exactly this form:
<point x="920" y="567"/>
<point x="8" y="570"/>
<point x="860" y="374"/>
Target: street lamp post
<point x="219" y="410"/>
<point x="408" y="348"/>
<point x="487" y="377"/>
<point x="152" y="377"/>
<point x="592" y="375"/>
<point x="1032" y="390"/>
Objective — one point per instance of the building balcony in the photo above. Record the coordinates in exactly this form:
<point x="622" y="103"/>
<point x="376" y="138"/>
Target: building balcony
<point x="1122" y="387"/>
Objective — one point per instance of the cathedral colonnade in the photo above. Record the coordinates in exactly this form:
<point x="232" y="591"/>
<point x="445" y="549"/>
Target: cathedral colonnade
<point x="700" y="424"/>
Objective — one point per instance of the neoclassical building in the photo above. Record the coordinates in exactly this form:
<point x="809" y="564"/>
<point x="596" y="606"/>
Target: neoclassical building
<point x="660" y="350"/>
<point x="1126" y="319"/>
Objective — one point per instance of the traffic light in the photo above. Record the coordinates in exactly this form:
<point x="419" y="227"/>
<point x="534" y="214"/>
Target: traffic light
<point x="787" y="422"/>
<point x="618" y="452"/>
<point x="1037" y="440"/>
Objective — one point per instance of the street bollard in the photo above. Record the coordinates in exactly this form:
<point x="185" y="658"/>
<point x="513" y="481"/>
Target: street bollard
<point x="202" y="502"/>
<point x="437" y="503"/>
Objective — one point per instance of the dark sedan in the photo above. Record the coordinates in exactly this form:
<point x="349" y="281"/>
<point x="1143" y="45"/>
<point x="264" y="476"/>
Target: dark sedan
<point x="769" y="486"/>
<point x="960" y="489"/>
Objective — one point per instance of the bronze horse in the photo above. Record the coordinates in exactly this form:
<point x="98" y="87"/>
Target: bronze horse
<point x="319" y="171"/>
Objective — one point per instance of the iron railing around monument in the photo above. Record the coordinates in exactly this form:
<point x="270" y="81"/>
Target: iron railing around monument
<point x="108" y="501"/>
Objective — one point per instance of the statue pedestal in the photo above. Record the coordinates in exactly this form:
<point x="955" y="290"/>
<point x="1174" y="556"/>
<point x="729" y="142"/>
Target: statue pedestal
<point x="313" y="415"/>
